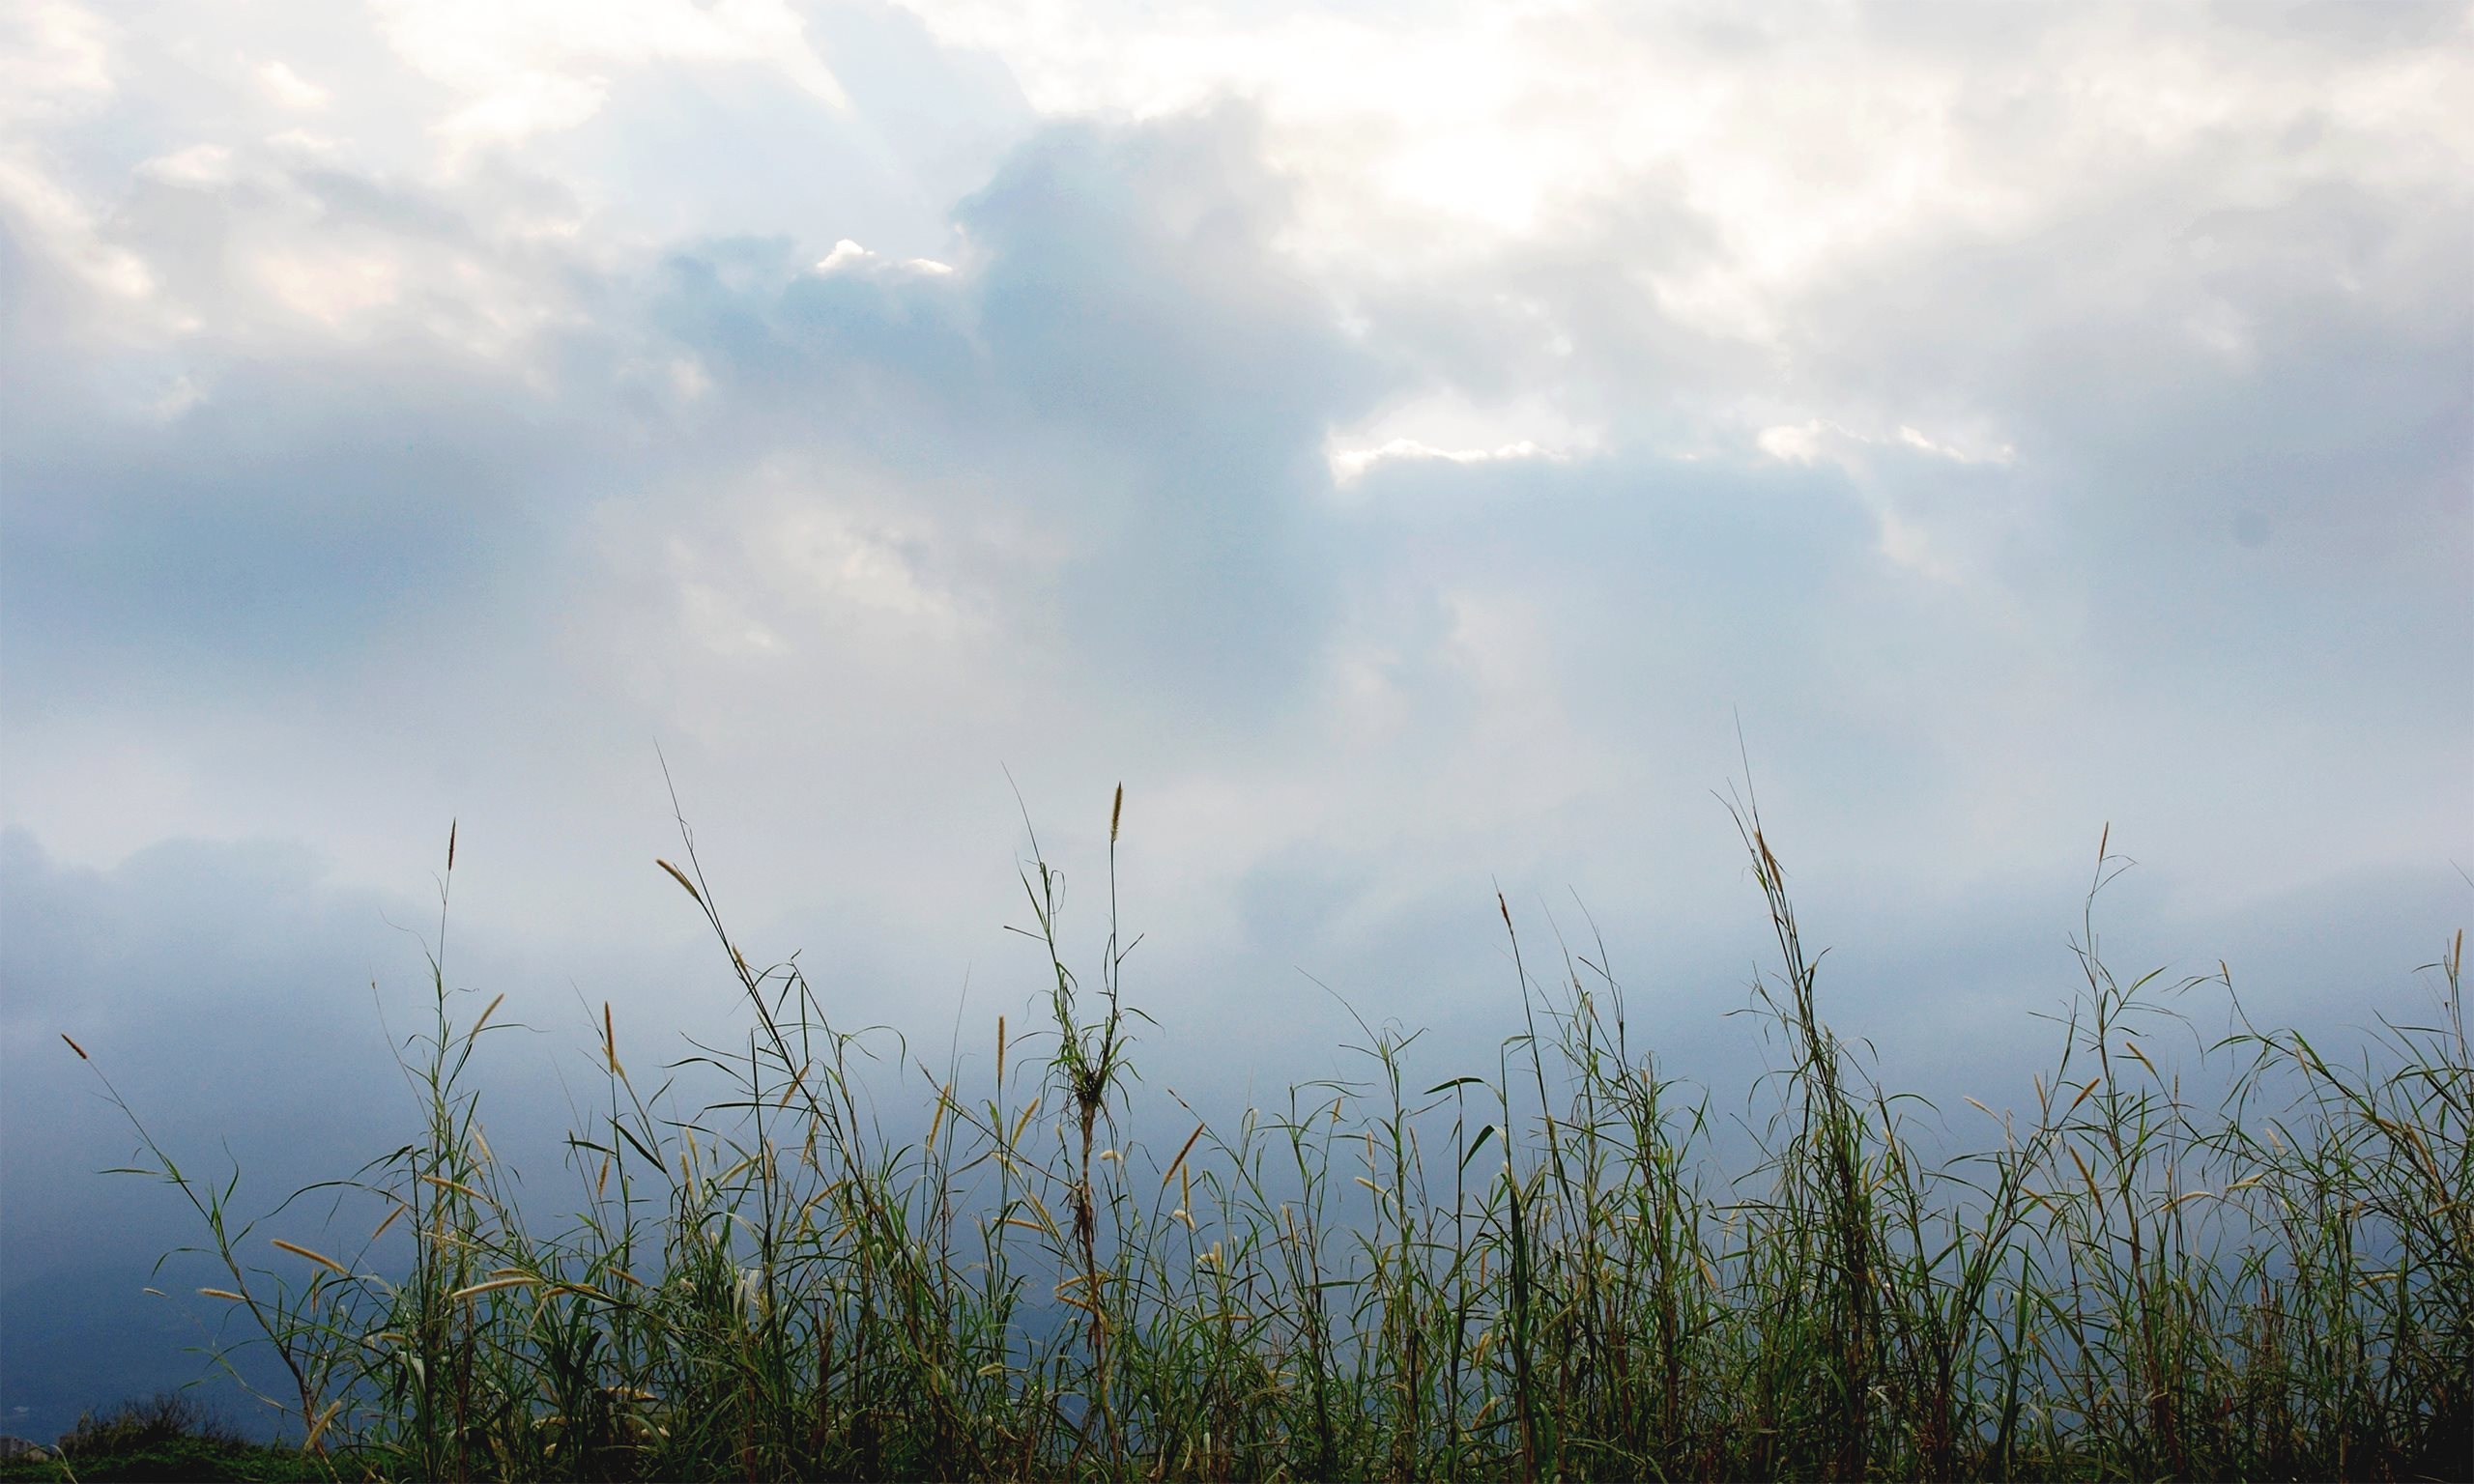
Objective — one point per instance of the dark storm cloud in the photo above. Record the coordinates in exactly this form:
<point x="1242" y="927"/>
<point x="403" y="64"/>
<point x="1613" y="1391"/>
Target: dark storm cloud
<point x="226" y="992"/>
<point x="258" y="1017"/>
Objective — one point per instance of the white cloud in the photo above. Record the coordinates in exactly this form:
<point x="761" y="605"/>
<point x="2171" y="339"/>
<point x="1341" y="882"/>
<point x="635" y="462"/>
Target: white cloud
<point x="849" y="255"/>
<point x="288" y="89"/>
<point x="2003" y="454"/>
<point x="1800" y="142"/>
<point x="534" y="67"/>
<point x="1821" y="440"/>
<point x="1350" y="464"/>
<point x="1933" y="540"/>
<point x="689" y="379"/>
<point x="1453" y="426"/>
<point x="304" y="145"/>
<point x="814" y="552"/>
<point x="199" y="165"/>
<point x="1795" y="444"/>
<point x="333" y="287"/>
<point x="55" y="61"/>
<point x="845" y="252"/>
<point x="514" y="109"/>
<point x="64" y="228"/>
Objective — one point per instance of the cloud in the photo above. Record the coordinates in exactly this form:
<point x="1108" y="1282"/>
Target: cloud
<point x="58" y="63"/>
<point x="290" y="90"/>
<point x="538" y="68"/>
<point x="1349" y="464"/>
<point x="466" y="420"/>
<point x="1104" y="422"/>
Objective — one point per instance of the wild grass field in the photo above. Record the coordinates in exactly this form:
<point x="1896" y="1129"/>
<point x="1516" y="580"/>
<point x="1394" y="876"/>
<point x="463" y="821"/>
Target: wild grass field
<point x="1532" y="1269"/>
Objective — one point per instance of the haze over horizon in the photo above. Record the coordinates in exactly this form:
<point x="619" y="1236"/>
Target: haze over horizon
<point x="1401" y="443"/>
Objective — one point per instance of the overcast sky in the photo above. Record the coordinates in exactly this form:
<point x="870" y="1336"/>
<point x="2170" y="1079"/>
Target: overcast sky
<point x="1397" y="441"/>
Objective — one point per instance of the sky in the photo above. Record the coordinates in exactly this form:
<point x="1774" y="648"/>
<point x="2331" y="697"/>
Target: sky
<point x="1418" y="450"/>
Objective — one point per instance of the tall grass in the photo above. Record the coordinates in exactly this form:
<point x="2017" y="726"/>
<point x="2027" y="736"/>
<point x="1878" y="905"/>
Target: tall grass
<point x="1535" y="1268"/>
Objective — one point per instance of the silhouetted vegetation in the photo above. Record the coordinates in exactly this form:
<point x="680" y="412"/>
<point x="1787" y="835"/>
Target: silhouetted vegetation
<point x="169" y="1436"/>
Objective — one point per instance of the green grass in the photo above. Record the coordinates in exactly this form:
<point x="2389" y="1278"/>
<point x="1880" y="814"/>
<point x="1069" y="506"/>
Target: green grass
<point x="1531" y="1269"/>
<point x="170" y="1437"/>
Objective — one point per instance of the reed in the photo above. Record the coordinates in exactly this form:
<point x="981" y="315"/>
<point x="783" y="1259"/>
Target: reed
<point x="1535" y="1268"/>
